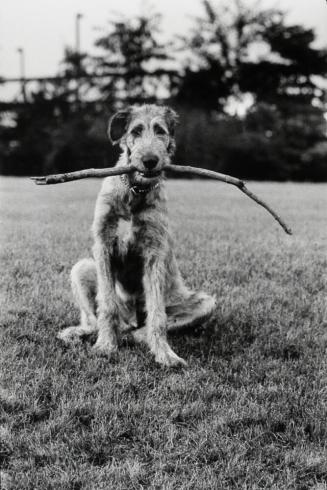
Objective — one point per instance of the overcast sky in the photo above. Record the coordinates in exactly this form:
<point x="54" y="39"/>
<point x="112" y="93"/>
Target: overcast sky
<point x="45" y="27"/>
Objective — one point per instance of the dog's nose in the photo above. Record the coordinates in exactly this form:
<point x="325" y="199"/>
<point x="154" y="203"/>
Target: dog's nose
<point x="150" y="161"/>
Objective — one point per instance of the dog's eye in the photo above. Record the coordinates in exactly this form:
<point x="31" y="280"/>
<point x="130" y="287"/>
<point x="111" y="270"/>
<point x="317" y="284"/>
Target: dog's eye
<point x="160" y="131"/>
<point x="137" y="131"/>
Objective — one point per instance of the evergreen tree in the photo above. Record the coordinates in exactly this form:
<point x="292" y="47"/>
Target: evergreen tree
<point x="236" y="49"/>
<point x="132" y="47"/>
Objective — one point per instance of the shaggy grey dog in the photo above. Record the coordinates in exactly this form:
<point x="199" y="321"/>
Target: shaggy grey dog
<point x="133" y="281"/>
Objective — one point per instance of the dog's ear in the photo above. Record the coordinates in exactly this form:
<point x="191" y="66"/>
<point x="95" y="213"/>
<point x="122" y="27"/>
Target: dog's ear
<point x="118" y="124"/>
<point x="171" y="118"/>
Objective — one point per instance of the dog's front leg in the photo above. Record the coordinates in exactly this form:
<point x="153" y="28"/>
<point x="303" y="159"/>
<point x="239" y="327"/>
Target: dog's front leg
<point x="156" y="321"/>
<point x="104" y="231"/>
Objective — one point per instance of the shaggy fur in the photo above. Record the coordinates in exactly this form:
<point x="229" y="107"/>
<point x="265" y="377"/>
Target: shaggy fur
<point x="133" y="281"/>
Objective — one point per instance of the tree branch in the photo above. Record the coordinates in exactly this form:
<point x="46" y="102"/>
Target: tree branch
<point x="179" y="169"/>
<point x="81" y="174"/>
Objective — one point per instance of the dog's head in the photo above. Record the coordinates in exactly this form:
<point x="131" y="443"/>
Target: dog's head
<point x="146" y="133"/>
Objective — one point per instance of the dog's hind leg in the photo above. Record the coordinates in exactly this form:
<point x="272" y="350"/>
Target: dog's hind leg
<point x="84" y="286"/>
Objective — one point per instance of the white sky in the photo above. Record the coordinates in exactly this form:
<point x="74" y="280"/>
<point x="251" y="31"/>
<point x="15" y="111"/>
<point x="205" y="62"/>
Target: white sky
<point x="44" y="27"/>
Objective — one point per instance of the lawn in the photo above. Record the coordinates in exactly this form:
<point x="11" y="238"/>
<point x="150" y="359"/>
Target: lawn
<point x="249" y="412"/>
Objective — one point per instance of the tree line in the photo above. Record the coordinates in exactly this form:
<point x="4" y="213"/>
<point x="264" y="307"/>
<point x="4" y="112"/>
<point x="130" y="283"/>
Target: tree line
<point x="248" y="87"/>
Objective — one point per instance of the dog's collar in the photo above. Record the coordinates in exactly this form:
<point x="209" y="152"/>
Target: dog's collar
<point x="135" y="189"/>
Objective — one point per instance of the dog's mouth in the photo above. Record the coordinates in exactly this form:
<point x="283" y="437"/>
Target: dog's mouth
<point x="143" y="181"/>
<point x="146" y="178"/>
<point x="149" y="174"/>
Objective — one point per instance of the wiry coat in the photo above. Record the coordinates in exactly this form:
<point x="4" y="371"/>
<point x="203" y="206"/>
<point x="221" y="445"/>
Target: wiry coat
<point x="134" y="282"/>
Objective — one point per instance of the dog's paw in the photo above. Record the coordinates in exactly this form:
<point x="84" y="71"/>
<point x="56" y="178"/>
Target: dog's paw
<point x="106" y="349"/>
<point x="140" y="336"/>
<point x="167" y="357"/>
<point x="69" y="335"/>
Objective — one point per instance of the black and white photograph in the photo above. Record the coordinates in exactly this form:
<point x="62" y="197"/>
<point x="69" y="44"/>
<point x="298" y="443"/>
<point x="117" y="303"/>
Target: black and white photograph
<point x="163" y="245"/>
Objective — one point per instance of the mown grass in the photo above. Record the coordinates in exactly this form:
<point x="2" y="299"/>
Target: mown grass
<point x="250" y="410"/>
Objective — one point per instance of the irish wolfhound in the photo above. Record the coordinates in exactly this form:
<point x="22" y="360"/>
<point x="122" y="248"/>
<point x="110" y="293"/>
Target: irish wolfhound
<point x="134" y="281"/>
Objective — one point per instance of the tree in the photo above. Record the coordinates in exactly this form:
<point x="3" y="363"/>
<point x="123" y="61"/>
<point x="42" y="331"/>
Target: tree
<point x="73" y="86"/>
<point x="132" y="48"/>
<point x="287" y="75"/>
<point x="219" y="43"/>
<point x="237" y="49"/>
<point x="289" y="79"/>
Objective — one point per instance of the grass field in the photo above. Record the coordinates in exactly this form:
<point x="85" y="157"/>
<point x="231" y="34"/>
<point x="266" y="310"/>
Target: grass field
<point x="249" y="412"/>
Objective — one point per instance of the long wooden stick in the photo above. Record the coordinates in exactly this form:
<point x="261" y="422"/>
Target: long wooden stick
<point x="81" y="174"/>
<point x="180" y="169"/>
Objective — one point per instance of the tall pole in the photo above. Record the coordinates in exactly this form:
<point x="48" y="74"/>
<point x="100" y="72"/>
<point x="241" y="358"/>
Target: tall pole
<point x="77" y="32"/>
<point x="22" y="71"/>
<point x="78" y="54"/>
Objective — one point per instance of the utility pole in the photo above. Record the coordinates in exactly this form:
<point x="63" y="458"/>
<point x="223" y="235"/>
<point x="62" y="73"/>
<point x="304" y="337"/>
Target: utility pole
<point x="22" y="71"/>
<point x="78" y="54"/>
<point x="77" y="32"/>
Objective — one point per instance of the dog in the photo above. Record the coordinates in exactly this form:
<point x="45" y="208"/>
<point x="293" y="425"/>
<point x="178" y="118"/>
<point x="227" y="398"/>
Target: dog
<point x="133" y="282"/>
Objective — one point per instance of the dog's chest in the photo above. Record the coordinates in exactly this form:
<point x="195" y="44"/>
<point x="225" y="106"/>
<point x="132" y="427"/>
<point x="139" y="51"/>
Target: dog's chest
<point x="127" y="258"/>
<point x="126" y="232"/>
